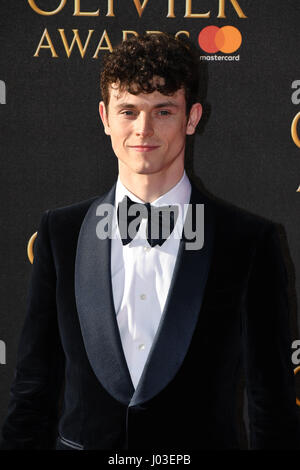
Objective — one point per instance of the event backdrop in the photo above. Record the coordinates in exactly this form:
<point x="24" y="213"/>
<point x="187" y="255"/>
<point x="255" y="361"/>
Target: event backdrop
<point x="54" y="151"/>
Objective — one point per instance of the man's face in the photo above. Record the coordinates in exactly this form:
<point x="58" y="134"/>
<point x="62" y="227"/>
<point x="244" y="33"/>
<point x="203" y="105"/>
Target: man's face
<point x="148" y="131"/>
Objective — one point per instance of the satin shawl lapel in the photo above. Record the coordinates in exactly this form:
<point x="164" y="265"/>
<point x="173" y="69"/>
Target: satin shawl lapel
<point x="95" y="305"/>
<point x="97" y="316"/>
<point x="181" y="311"/>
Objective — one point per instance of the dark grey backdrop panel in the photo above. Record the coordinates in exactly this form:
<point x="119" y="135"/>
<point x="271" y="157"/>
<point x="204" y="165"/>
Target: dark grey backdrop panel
<point x="54" y="152"/>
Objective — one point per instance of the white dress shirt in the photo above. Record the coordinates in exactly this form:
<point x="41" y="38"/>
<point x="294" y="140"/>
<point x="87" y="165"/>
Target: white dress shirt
<point x="141" y="277"/>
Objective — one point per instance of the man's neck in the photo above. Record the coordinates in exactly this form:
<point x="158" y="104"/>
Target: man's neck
<point x="149" y="187"/>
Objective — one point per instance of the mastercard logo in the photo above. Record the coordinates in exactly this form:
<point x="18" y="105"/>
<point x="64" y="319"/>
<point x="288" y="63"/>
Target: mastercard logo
<point x="214" y="39"/>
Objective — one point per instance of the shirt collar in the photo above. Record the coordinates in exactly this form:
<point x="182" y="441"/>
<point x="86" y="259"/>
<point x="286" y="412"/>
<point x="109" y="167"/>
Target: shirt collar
<point x="178" y="194"/>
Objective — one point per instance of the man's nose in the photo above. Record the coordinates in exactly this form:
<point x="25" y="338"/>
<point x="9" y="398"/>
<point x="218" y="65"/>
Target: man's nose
<point x="144" y="125"/>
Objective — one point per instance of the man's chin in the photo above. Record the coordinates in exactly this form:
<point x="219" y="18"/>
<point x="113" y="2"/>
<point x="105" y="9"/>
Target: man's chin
<point x="140" y="167"/>
<point x="146" y="171"/>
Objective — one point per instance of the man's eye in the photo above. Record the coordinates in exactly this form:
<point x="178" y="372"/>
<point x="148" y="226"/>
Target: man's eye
<point x="164" y="112"/>
<point x="127" y="113"/>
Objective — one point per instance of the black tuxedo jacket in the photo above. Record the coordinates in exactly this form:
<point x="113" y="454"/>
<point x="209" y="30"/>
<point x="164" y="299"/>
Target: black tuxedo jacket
<point x="226" y="309"/>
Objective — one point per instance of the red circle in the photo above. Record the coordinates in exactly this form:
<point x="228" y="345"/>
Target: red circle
<point x="206" y="39"/>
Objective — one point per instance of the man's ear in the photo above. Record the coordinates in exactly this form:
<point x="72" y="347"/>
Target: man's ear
<point x="194" y="118"/>
<point x="104" y="117"/>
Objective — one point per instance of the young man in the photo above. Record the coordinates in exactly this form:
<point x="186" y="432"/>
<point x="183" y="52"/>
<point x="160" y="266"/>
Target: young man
<point x="144" y="336"/>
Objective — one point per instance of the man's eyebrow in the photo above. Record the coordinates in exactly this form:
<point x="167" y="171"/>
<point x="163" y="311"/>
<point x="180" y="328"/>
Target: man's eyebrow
<point x="158" y="105"/>
<point x="166" y="104"/>
<point x="125" y="105"/>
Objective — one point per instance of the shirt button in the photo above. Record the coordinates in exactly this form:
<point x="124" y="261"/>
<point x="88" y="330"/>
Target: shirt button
<point x="147" y="248"/>
<point x="141" y="346"/>
<point x="143" y="296"/>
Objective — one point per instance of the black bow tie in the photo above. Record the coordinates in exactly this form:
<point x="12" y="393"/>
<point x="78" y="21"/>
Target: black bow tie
<point x="161" y="220"/>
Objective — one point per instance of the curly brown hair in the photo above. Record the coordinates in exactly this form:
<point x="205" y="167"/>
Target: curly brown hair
<point x="134" y="63"/>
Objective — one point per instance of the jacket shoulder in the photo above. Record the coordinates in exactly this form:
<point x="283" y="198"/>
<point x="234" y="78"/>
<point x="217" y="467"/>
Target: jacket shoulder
<point x="238" y="227"/>
<point x="228" y="216"/>
<point x="66" y="220"/>
<point x="73" y="210"/>
<point x="239" y="217"/>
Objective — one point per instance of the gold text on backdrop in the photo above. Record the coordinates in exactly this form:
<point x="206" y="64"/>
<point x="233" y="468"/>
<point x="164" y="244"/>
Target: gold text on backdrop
<point x="104" y="43"/>
<point x="46" y="43"/>
<point x="295" y="98"/>
<point x="296" y="370"/>
<point x="294" y="130"/>
<point x="140" y="8"/>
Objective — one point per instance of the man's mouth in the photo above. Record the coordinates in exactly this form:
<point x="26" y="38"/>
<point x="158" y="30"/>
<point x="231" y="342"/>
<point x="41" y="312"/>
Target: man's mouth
<point x="144" y="148"/>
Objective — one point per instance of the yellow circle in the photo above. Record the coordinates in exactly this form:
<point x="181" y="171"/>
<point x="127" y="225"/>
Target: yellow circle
<point x="30" y="247"/>
<point x="228" y="39"/>
<point x="294" y="132"/>
<point x="296" y="370"/>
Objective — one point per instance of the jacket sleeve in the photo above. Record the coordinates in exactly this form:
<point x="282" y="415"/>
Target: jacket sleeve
<point x="34" y="399"/>
<point x="273" y="413"/>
